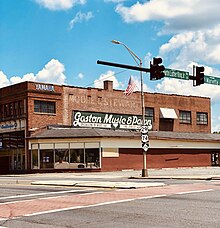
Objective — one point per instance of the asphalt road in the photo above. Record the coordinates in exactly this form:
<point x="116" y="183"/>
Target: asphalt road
<point x="180" y="203"/>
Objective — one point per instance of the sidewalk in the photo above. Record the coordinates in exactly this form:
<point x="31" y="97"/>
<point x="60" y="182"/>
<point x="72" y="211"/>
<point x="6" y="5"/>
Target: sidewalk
<point x="196" y="173"/>
<point x="129" y="178"/>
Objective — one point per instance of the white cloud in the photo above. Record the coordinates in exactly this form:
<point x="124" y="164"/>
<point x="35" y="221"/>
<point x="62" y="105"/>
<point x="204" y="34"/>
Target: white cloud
<point x="81" y="75"/>
<point x="216" y="128"/>
<point x="155" y="10"/>
<point x="53" y="72"/>
<point x="185" y="87"/>
<point x="80" y="17"/>
<point x="26" y="77"/>
<point x="200" y="46"/>
<point x="177" y="15"/>
<point x="195" y="25"/>
<point x="59" y="4"/>
<point x="109" y="75"/>
<point x="3" y="80"/>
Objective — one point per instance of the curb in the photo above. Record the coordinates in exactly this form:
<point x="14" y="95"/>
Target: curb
<point x="180" y="178"/>
<point x="116" y="185"/>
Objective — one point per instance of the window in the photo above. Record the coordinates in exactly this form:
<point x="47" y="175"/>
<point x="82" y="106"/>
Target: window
<point x="185" y="117"/>
<point x="44" y="106"/>
<point x="202" y="118"/>
<point x="149" y="113"/>
<point x="21" y="107"/>
<point x="1" y="111"/>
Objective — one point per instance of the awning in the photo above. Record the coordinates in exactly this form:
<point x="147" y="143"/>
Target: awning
<point x="168" y="113"/>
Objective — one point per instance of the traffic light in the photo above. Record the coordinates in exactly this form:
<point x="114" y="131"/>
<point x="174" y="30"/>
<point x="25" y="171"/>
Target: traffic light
<point x="199" y="75"/>
<point x="156" y="70"/>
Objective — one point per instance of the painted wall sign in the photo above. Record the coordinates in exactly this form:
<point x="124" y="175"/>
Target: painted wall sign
<point x="12" y="125"/>
<point x="108" y="120"/>
<point x="105" y="101"/>
<point x="44" y="87"/>
<point x="9" y="125"/>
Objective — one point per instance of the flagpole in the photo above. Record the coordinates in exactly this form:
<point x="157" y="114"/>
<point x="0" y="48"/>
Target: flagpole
<point x="139" y="62"/>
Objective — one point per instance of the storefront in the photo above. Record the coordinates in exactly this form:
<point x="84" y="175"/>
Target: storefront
<point x="66" y="155"/>
<point x="107" y="150"/>
<point x="12" y="146"/>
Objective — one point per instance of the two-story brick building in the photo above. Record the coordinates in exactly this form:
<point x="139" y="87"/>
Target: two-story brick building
<point x="46" y="127"/>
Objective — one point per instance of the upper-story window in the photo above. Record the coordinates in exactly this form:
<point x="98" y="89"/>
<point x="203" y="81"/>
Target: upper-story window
<point x="11" y="110"/>
<point x="44" y="107"/>
<point x="202" y="118"/>
<point x="185" y="117"/>
<point x="149" y="113"/>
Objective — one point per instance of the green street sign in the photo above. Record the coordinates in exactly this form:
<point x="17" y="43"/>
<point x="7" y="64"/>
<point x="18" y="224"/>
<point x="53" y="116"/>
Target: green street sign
<point x="211" y="80"/>
<point x="178" y="74"/>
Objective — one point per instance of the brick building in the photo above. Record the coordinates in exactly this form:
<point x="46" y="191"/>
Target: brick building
<point x="46" y="127"/>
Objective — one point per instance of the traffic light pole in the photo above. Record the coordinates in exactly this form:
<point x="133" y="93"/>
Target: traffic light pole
<point x="144" y="170"/>
<point x="141" y="69"/>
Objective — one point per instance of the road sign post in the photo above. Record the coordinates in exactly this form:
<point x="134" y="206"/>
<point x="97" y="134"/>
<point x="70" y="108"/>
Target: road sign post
<point x="145" y="145"/>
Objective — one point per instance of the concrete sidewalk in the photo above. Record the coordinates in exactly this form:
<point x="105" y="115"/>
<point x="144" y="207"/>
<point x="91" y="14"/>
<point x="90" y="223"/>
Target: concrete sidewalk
<point x="126" y="179"/>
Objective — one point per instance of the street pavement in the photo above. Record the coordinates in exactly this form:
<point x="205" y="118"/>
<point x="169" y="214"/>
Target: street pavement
<point x="126" y="179"/>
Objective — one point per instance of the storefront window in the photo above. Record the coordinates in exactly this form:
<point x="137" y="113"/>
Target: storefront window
<point x="92" y="158"/>
<point x="65" y="155"/>
<point x="46" y="159"/>
<point x="77" y="158"/>
<point x="35" y="159"/>
<point x="61" y="159"/>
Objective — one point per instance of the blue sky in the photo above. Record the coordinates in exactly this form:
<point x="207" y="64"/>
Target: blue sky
<point x="59" y="41"/>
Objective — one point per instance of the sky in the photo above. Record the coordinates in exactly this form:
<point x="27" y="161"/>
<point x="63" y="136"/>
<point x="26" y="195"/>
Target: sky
<point x="60" y="41"/>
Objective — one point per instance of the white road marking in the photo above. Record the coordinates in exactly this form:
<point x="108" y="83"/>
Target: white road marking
<point x="198" y="191"/>
<point x="41" y="194"/>
<point x="90" y="193"/>
<point x="52" y="197"/>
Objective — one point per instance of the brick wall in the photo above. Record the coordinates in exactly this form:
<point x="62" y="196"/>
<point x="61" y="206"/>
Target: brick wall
<point x="163" y="158"/>
<point x="97" y="100"/>
<point x="38" y="120"/>
<point x="106" y="100"/>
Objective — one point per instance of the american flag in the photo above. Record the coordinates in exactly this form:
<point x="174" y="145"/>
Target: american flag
<point x="130" y="88"/>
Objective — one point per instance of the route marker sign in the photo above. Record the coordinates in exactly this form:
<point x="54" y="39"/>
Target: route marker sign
<point x="178" y="74"/>
<point x="145" y="147"/>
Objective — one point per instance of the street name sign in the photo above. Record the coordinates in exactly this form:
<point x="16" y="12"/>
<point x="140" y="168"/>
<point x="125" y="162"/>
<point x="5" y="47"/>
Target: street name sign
<point x="211" y="80"/>
<point x="178" y="74"/>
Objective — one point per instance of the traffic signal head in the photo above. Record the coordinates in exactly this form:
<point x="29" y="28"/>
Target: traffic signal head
<point x="199" y="75"/>
<point x="157" y="61"/>
<point x="156" y="70"/>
